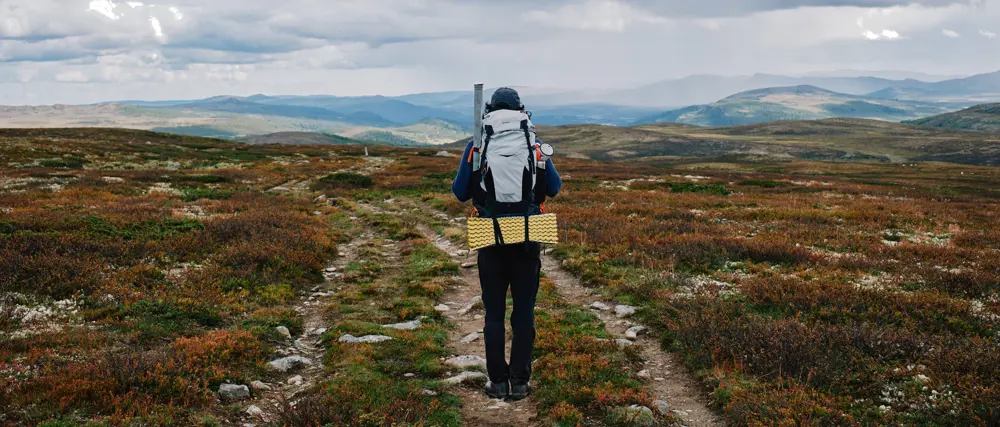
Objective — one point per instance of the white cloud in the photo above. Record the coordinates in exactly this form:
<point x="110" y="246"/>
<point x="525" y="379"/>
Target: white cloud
<point x="950" y="33"/>
<point x="890" y="34"/>
<point x="134" y="4"/>
<point x="177" y="13"/>
<point x="157" y="29"/>
<point x="870" y="35"/>
<point x="104" y="7"/>
<point x="988" y="34"/>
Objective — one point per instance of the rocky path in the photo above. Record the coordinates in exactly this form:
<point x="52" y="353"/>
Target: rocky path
<point x="672" y="384"/>
<point x="669" y="380"/>
<point x="461" y="305"/>
<point x="301" y="357"/>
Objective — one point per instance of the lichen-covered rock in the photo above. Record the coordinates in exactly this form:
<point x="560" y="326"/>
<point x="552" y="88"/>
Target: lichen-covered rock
<point x="465" y="362"/>
<point x="369" y="339"/>
<point x="463" y="377"/>
<point x="233" y="391"/>
<point x="289" y="363"/>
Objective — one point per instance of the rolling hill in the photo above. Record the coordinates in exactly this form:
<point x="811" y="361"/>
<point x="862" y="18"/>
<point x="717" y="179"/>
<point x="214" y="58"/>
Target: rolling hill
<point x="795" y="103"/>
<point x="985" y="117"/>
<point x="978" y="88"/>
<point x="827" y="140"/>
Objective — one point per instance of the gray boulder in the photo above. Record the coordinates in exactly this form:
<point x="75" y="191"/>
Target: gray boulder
<point x="289" y="363"/>
<point x="465" y="362"/>
<point x="369" y="339"/>
<point x="463" y="377"/>
<point x="233" y="392"/>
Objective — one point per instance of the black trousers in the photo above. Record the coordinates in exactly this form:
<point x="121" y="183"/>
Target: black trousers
<point x="517" y="267"/>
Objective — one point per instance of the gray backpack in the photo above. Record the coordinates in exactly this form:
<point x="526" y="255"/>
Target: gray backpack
<point x="512" y="170"/>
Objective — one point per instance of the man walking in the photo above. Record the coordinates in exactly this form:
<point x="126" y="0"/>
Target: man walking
<point x="495" y="192"/>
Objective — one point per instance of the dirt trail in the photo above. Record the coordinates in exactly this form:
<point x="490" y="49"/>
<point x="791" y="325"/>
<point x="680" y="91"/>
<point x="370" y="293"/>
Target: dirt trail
<point x="477" y="409"/>
<point x="310" y="307"/>
<point x="669" y="380"/>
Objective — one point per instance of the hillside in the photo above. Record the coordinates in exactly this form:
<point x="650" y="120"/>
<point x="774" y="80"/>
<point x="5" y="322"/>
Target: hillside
<point x="985" y="117"/>
<point x="795" y="103"/>
<point x="298" y="138"/>
<point x="978" y="88"/>
<point x="828" y="139"/>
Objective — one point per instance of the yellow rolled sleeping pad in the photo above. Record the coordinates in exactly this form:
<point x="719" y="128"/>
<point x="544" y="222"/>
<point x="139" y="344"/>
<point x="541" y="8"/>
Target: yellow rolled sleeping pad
<point x="541" y="228"/>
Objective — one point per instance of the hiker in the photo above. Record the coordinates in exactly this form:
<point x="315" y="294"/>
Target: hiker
<point x="516" y="266"/>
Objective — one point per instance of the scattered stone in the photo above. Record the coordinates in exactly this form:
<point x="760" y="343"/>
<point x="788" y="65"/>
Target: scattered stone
<point x="443" y="153"/>
<point x="659" y="379"/>
<point x="644" y="374"/>
<point x="351" y="339"/>
<point x="233" y="391"/>
<point x="662" y="406"/>
<point x="283" y="331"/>
<point x="634" y="332"/>
<point x="406" y="326"/>
<point x="427" y="392"/>
<point x="470" y="338"/>
<point x="623" y="343"/>
<point x="464" y="362"/>
<point x="624" y="310"/>
<point x="468" y="265"/>
<point x="463" y="377"/>
<point x="260" y="386"/>
<point x="319" y="331"/>
<point x="499" y="404"/>
<point x="320" y="198"/>
<point x="442" y="307"/>
<point x="472" y="303"/>
<point x="330" y="269"/>
<point x="597" y="305"/>
<point x="296" y="380"/>
<point x="289" y="363"/>
<point x="478" y="317"/>
<point x="255" y="411"/>
<point x="409" y="375"/>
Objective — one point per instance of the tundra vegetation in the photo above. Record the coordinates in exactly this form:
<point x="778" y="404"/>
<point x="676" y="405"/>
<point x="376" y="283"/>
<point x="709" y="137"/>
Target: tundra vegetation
<point x="141" y="271"/>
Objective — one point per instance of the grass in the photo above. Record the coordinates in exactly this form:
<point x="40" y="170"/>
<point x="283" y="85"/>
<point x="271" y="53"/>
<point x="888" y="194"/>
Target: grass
<point x="800" y="292"/>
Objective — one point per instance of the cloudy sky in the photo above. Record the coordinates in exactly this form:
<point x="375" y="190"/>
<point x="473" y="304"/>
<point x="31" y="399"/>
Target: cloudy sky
<point x="79" y="51"/>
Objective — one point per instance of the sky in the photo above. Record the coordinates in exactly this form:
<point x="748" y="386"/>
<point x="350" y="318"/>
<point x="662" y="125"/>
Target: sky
<point x="85" y="51"/>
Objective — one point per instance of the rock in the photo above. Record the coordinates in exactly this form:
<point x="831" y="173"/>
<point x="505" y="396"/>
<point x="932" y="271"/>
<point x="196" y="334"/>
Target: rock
<point x="472" y="304"/>
<point x="624" y="310"/>
<point x="320" y="198"/>
<point x="406" y="326"/>
<point x="463" y="377"/>
<point x="409" y="375"/>
<point x="233" y="391"/>
<point x="442" y="307"/>
<point x="260" y="386"/>
<point x="659" y="379"/>
<point x="330" y="269"/>
<point x="351" y="339"/>
<point x="443" y="153"/>
<point x="255" y="411"/>
<point x="622" y="343"/>
<point x="662" y="406"/>
<point x="296" y="380"/>
<point x="597" y="305"/>
<point x="470" y="338"/>
<point x="283" y="331"/>
<point x="643" y="374"/>
<point x="173" y="165"/>
<point x="469" y="265"/>
<point x="427" y="392"/>
<point x="499" y="404"/>
<point x="634" y="332"/>
<point x="319" y="331"/>
<point x="289" y="363"/>
<point x="478" y="317"/>
<point x="464" y="362"/>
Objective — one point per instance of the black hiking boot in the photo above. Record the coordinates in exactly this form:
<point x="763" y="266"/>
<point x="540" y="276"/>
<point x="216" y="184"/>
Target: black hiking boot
<point x="519" y="391"/>
<point x="497" y="390"/>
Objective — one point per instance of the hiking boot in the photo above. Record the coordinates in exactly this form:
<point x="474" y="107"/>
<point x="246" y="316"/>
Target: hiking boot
<point x="497" y="390"/>
<point x="519" y="391"/>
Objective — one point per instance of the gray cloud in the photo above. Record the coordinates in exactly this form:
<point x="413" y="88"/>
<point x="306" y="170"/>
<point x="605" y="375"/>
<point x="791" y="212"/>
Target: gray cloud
<point x="356" y="47"/>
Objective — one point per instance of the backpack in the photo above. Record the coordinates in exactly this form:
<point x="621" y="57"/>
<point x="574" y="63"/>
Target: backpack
<point x="512" y="169"/>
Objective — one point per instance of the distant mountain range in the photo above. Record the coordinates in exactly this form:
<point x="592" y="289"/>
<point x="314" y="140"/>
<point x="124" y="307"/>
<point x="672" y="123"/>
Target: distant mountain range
<point x="442" y="117"/>
<point x="795" y="103"/>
